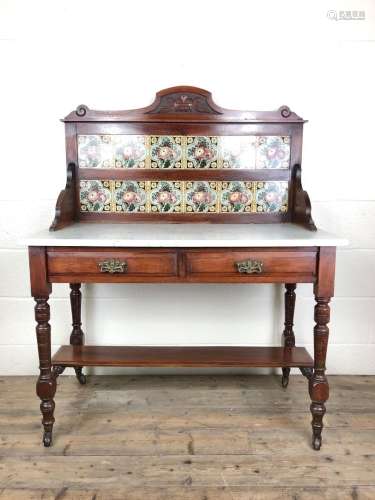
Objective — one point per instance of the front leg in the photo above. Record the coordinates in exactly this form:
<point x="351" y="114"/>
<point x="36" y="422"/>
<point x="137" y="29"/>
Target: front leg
<point x="288" y="334"/>
<point x="318" y="384"/>
<point x="77" y="336"/>
<point x="46" y="384"/>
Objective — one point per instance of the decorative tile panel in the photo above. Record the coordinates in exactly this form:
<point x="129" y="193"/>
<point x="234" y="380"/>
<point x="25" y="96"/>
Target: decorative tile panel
<point x="129" y="151"/>
<point x="272" y="152"/>
<point x="202" y="152"/>
<point x="112" y="151"/>
<point x="95" y="151"/>
<point x="165" y="196"/>
<point x="195" y="152"/>
<point x="166" y="151"/>
<point x="237" y="196"/>
<point x="108" y="196"/>
<point x="130" y="196"/>
<point x="272" y="196"/>
<point x="201" y="196"/>
<point x="237" y="151"/>
<point x="95" y="196"/>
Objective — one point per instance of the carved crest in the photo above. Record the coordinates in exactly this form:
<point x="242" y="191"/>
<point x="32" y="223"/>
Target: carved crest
<point x="179" y="102"/>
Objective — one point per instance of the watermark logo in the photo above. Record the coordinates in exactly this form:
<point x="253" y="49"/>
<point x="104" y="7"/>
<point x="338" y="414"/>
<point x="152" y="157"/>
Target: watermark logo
<point x="346" y="15"/>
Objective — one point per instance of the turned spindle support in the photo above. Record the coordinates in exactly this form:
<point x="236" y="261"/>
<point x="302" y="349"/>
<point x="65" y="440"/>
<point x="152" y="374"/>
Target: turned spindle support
<point x="77" y="336"/>
<point x="288" y="334"/>
<point x="318" y="384"/>
<point x="46" y="384"/>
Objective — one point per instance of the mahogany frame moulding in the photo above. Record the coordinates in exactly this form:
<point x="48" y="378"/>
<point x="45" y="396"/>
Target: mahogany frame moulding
<point x="183" y="111"/>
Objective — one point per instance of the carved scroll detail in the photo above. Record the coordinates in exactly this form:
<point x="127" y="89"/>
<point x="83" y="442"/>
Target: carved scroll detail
<point x="81" y="110"/>
<point x="285" y="111"/>
<point x="65" y="205"/>
<point x="301" y="211"/>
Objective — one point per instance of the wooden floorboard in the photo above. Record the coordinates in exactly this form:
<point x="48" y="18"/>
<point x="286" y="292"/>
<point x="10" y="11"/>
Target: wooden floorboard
<point x="187" y="437"/>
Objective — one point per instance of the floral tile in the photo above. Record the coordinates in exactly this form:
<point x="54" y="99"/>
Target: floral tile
<point x="95" y="196"/>
<point x="166" y="151"/>
<point x="272" y="152"/>
<point x="272" y="196"/>
<point x="202" y="152"/>
<point x="129" y="151"/>
<point x="237" y="151"/>
<point x="109" y="151"/>
<point x="95" y="151"/>
<point x="236" y="196"/>
<point x="201" y="196"/>
<point x="130" y="196"/>
<point x="165" y="196"/>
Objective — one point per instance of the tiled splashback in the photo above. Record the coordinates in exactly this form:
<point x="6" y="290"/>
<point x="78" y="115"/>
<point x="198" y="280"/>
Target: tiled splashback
<point x="183" y="196"/>
<point x="144" y="151"/>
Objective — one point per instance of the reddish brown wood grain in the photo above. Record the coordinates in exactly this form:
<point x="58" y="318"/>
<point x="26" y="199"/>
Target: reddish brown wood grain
<point x="274" y="261"/>
<point x="173" y="356"/>
<point x="40" y="287"/>
<point x="183" y="104"/>
<point x="173" y="218"/>
<point x="63" y="261"/>
<point x="179" y="265"/>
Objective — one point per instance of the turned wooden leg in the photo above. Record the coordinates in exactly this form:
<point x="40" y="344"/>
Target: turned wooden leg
<point x="46" y="384"/>
<point x="318" y="384"/>
<point x="77" y="336"/>
<point x="288" y="334"/>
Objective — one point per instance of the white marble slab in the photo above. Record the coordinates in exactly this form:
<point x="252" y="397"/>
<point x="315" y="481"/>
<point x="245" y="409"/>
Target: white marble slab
<point x="184" y="235"/>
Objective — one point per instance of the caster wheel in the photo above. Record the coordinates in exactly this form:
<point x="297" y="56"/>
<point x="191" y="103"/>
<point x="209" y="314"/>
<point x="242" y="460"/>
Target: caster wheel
<point x="82" y="379"/>
<point x="317" y="442"/>
<point x="47" y="439"/>
<point x="80" y="376"/>
<point x="284" y="381"/>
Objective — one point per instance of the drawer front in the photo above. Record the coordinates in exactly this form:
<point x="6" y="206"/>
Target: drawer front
<point x="115" y="263"/>
<point x="252" y="264"/>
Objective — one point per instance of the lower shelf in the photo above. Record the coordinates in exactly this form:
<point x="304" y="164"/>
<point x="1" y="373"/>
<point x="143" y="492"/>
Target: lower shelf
<point x="262" y="357"/>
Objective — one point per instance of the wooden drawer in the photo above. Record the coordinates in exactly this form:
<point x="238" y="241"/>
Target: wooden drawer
<point x="264" y="264"/>
<point x="110" y="263"/>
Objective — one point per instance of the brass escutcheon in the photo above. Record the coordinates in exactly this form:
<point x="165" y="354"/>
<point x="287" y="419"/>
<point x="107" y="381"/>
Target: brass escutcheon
<point x="250" y="266"/>
<point x="113" y="266"/>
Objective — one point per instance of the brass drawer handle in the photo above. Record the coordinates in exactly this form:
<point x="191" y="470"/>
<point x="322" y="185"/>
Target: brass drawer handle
<point x="113" y="266"/>
<point x="250" y="266"/>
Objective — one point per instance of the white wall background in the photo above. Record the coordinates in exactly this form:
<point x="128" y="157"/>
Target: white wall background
<point x="251" y="55"/>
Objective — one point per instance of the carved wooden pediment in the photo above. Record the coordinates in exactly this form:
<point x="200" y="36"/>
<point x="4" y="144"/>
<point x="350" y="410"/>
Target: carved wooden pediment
<point x="185" y="102"/>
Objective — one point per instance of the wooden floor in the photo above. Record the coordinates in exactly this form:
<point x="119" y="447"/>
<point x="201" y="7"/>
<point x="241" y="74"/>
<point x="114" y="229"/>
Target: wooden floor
<point x="187" y="437"/>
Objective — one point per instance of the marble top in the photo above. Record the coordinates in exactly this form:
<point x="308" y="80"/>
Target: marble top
<point x="184" y="235"/>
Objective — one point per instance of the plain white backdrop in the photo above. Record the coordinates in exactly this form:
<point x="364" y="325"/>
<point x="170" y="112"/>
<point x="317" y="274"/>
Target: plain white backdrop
<point x="250" y="55"/>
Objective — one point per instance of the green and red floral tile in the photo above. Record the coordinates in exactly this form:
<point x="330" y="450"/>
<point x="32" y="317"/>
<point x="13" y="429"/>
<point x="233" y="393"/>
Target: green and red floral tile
<point x="165" y="196"/>
<point x="95" y="196"/>
<point x="202" y="152"/>
<point x="130" y="196"/>
<point x="193" y="152"/>
<point x="166" y="151"/>
<point x="201" y="196"/>
<point x="237" y="196"/>
<point x="271" y="197"/>
<point x="106" y="196"/>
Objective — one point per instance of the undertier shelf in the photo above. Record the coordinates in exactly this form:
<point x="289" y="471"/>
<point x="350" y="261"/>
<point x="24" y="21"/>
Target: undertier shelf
<point x="262" y="357"/>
